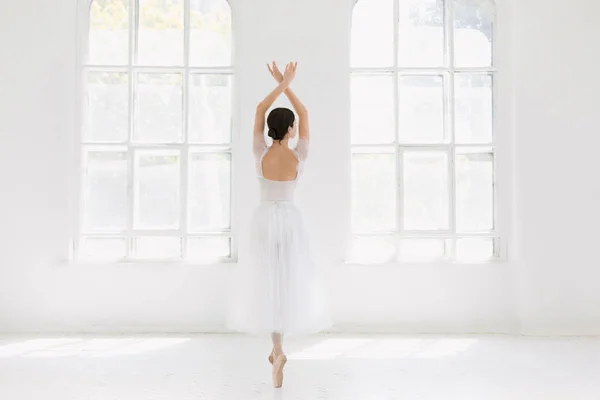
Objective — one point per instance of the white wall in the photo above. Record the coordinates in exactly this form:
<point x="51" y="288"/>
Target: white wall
<point x="557" y="165"/>
<point x="548" y="82"/>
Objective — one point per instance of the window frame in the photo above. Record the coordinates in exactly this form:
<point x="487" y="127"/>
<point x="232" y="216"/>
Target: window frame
<point x="447" y="71"/>
<point x="185" y="148"/>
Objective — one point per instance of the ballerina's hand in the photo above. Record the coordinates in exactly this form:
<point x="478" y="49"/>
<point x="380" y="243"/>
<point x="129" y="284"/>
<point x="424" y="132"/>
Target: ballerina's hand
<point x="289" y="73"/>
<point x="275" y="72"/>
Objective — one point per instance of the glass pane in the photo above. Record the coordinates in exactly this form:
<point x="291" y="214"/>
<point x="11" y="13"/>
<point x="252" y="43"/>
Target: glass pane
<point x="109" y="32"/>
<point x="210" y="109"/>
<point x="372" y="110"/>
<point x="421" y="109"/>
<point x="157" y="247"/>
<point x="474" y="191"/>
<point x="473" y="108"/>
<point x="107" y="118"/>
<point x="371" y="250"/>
<point x="425" y="190"/>
<point x="473" y="32"/>
<point x="373" y="33"/>
<point x="159" y="108"/>
<point x="210" y="33"/>
<point x="475" y="249"/>
<point x="156" y="195"/>
<point x="421" y="33"/>
<point x="208" y="249"/>
<point x="373" y="192"/>
<point x="102" y="249"/>
<point x="423" y="249"/>
<point x="105" y="190"/>
<point x="210" y="191"/>
<point x="160" y="32"/>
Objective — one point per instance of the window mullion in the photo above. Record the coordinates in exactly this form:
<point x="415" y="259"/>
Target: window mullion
<point x="215" y="70"/>
<point x="184" y="165"/>
<point x="183" y="198"/>
<point x="449" y="34"/>
<point x="133" y="16"/>
<point x="449" y="48"/>
<point x="130" y="201"/>
<point x="134" y="25"/>
<point x="499" y="224"/>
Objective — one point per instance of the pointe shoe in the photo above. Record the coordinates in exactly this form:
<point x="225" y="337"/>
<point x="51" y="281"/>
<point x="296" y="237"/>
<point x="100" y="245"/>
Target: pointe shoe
<point x="278" y="365"/>
<point x="271" y="356"/>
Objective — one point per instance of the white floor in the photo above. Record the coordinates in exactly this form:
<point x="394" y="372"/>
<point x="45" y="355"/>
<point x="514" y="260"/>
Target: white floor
<point x="362" y="367"/>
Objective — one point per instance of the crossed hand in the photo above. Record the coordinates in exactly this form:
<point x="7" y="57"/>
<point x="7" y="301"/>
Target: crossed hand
<point x="288" y="75"/>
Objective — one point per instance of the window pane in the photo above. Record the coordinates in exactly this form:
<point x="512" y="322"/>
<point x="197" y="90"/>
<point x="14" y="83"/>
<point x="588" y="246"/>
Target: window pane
<point x="474" y="191"/>
<point x="105" y="190"/>
<point x="210" y="109"/>
<point x="421" y="109"/>
<point x="423" y="249"/>
<point x="108" y="107"/>
<point x="372" y="110"/>
<point x="156" y="178"/>
<point x="157" y="247"/>
<point x="476" y="249"/>
<point x="160" y="32"/>
<point x="102" y="249"/>
<point x="425" y="190"/>
<point x="373" y="192"/>
<point x="159" y="108"/>
<point x="210" y="191"/>
<point x="373" y="33"/>
<point x="109" y="32"/>
<point x="473" y="32"/>
<point x="208" y="249"/>
<point x="373" y="249"/>
<point x="210" y="33"/>
<point x="473" y="108"/>
<point x="421" y="33"/>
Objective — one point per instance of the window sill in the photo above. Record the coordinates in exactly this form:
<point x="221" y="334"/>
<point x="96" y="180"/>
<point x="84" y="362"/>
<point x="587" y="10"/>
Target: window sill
<point x="422" y="264"/>
<point x="146" y="263"/>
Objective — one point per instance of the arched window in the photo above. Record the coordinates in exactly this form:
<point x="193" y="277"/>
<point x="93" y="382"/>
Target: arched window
<point x="423" y="139"/>
<point x="155" y="130"/>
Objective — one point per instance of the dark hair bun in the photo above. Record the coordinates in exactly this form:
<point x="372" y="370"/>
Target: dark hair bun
<point x="273" y="134"/>
<point x="280" y="120"/>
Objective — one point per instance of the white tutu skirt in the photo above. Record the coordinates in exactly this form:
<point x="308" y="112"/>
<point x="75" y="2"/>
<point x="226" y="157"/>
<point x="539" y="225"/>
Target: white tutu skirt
<point x="279" y="289"/>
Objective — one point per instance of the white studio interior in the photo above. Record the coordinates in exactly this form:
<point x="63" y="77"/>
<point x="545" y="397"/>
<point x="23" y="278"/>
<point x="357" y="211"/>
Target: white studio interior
<point x="451" y="197"/>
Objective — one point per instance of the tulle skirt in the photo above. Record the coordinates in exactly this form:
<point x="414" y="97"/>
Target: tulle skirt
<point x="279" y="289"/>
